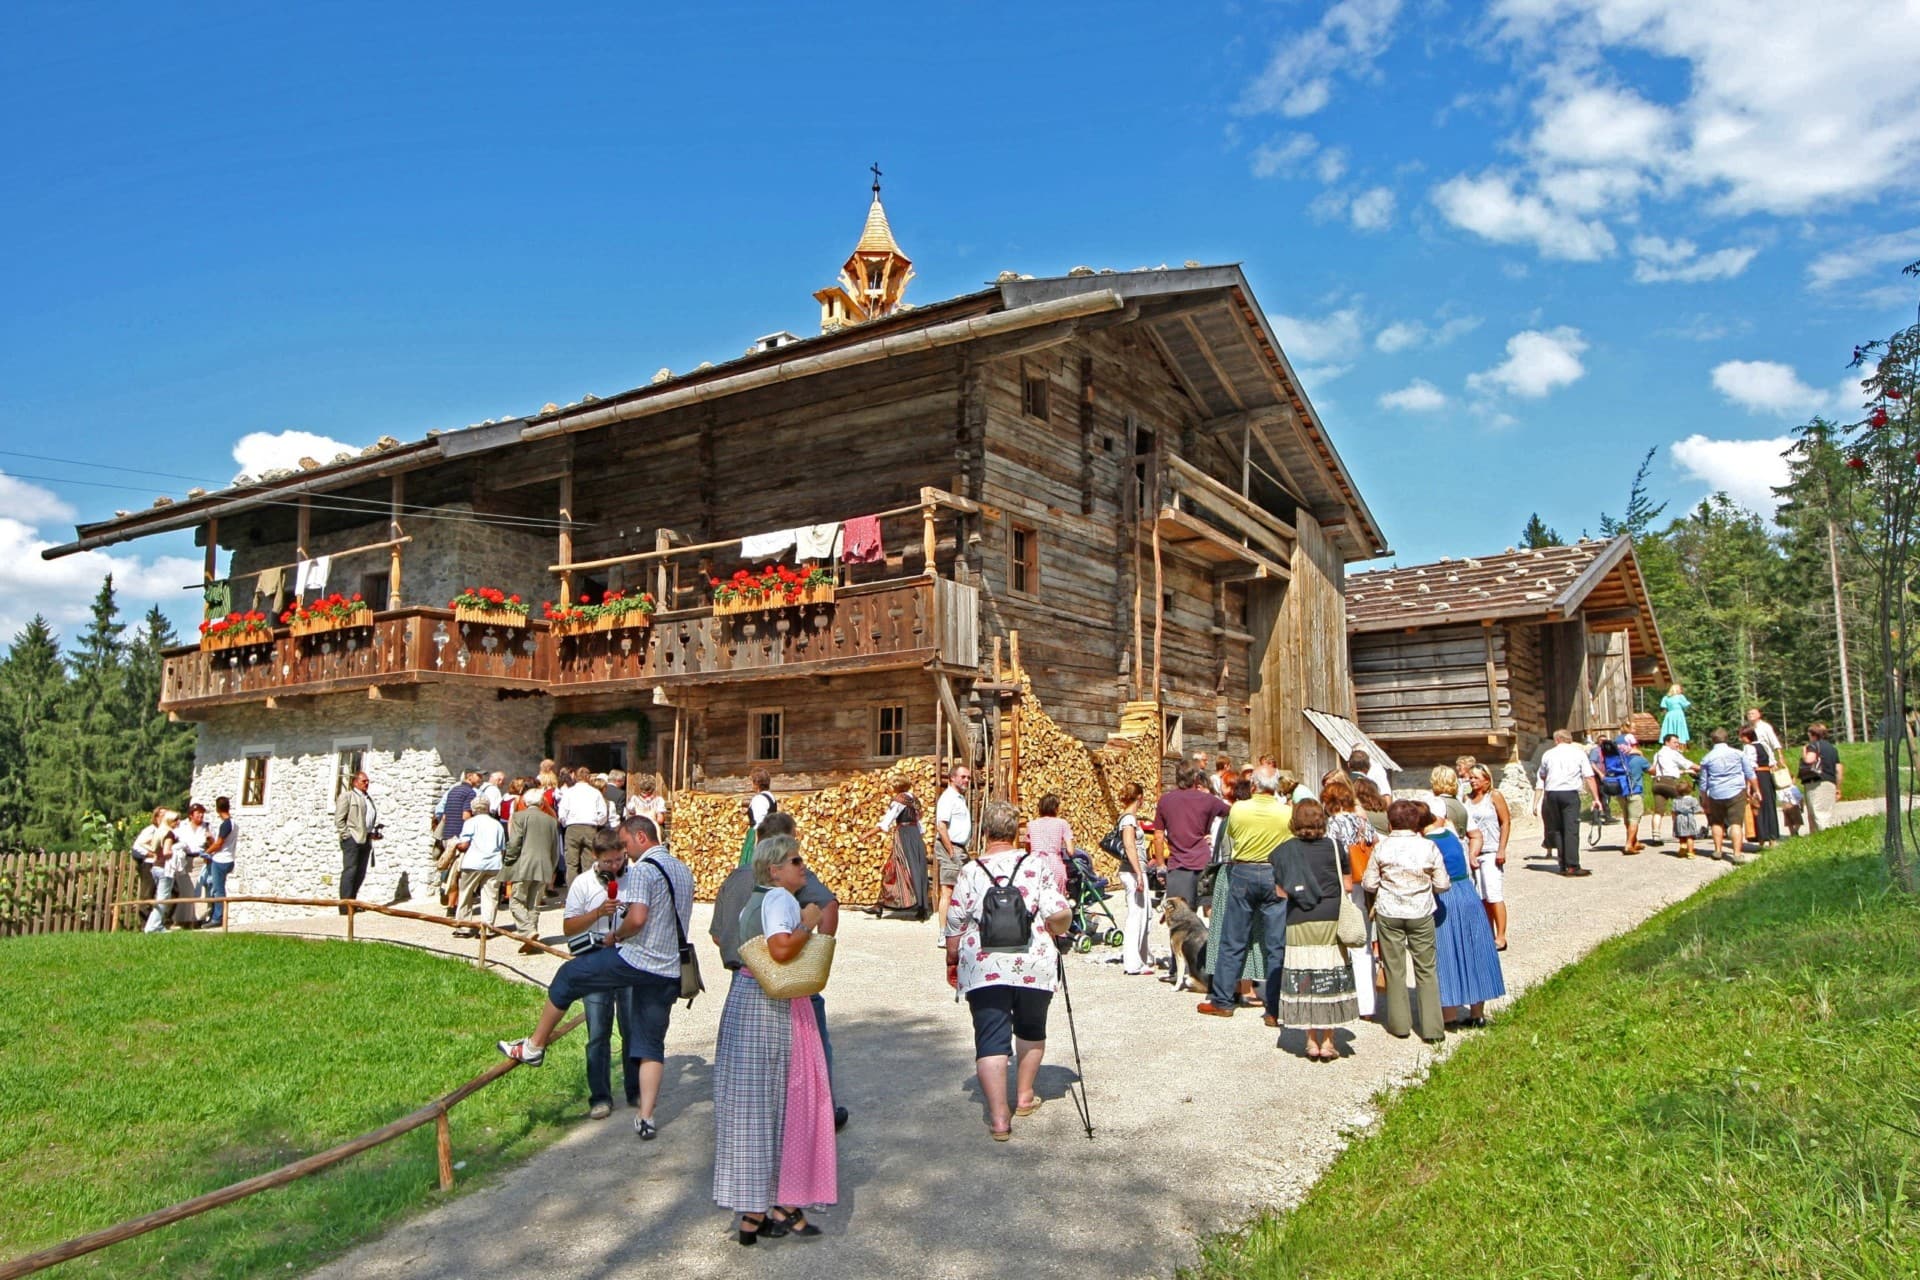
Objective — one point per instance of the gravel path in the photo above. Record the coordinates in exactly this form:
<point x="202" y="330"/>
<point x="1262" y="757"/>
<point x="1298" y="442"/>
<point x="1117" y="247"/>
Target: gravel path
<point x="1199" y="1124"/>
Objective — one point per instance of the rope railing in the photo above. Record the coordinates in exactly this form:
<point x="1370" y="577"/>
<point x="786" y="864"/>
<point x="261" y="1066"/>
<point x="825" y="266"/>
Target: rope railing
<point x="435" y="1111"/>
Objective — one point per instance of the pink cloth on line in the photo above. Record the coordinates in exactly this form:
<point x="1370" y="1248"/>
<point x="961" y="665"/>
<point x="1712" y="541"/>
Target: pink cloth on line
<point x="860" y="541"/>
<point x="809" y="1164"/>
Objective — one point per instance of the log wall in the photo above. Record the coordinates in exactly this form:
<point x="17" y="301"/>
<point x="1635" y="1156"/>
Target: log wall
<point x="1300" y="648"/>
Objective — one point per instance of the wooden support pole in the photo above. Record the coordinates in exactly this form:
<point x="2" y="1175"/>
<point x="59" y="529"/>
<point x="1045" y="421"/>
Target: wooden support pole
<point x="929" y="539"/>
<point x="212" y="563"/>
<point x="480" y="957"/>
<point x="303" y="528"/>
<point x="1159" y="611"/>
<point x="566" y="529"/>
<point x="349" y="922"/>
<point x="443" y="1145"/>
<point x="662" y="541"/>
<point x="396" y="499"/>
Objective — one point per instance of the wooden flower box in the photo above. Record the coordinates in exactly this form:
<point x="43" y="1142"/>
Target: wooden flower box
<point x="774" y="600"/>
<point x="571" y="626"/>
<point x="622" y="621"/>
<point x="234" y="640"/>
<point x="361" y="617"/>
<point x="489" y="617"/>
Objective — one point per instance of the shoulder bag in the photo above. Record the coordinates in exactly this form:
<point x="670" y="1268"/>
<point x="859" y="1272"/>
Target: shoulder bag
<point x="804" y="975"/>
<point x="1352" y="929"/>
<point x="691" y="984"/>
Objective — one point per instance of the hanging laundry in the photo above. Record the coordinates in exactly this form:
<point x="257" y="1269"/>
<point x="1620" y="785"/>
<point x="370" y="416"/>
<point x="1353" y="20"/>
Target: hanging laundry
<point x="766" y="546"/>
<point x="216" y="598"/>
<point x="317" y="570"/>
<point x="861" y="541"/>
<point x="271" y="583"/>
<point x="300" y="574"/>
<point x="817" y="541"/>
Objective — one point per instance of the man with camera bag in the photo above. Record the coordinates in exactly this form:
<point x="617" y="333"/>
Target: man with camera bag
<point x="356" y="819"/>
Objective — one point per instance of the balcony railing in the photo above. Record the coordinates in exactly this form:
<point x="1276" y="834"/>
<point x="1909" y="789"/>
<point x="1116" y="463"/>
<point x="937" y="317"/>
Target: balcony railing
<point x="402" y="647"/>
<point x="907" y="622"/>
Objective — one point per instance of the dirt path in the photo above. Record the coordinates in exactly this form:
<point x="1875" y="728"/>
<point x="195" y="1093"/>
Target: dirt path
<point x="1199" y="1121"/>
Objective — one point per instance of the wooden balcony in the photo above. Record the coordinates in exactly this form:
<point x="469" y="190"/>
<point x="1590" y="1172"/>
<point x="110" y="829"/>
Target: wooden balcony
<point x="403" y="647"/>
<point x="904" y="623"/>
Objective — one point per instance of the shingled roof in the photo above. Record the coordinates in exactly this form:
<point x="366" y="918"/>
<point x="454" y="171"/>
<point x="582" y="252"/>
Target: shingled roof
<point x="1545" y="584"/>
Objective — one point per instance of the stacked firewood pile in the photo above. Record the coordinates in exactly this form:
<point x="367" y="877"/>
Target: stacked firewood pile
<point x="839" y="829"/>
<point x="1087" y="782"/>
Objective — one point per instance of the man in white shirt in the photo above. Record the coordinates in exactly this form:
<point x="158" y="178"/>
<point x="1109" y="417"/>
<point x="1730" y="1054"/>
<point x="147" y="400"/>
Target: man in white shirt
<point x="1767" y="736"/>
<point x="952" y="828"/>
<point x="582" y="811"/>
<point x="191" y="838"/>
<point x="1565" y="772"/>
<point x="593" y="904"/>
<point x="1669" y="763"/>
<point x="1362" y="765"/>
<point x="481" y="845"/>
<point x="495" y="790"/>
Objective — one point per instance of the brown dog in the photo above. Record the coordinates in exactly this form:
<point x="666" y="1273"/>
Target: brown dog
<point x="1188" y="933"/>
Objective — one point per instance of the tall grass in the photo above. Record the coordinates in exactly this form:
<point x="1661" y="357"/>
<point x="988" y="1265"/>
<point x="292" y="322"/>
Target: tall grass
<point x="1728" y="1090"/>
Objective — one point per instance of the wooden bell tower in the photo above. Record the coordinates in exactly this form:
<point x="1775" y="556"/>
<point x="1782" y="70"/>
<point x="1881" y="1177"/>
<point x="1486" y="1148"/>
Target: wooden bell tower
<point x="874" y="279"/>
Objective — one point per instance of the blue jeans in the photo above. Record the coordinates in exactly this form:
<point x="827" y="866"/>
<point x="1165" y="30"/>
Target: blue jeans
<point x="1249" y="892"/>
<point x="820" y="1019"/>
<point x="217" y="873"/>
<point x="603" y="1008"/>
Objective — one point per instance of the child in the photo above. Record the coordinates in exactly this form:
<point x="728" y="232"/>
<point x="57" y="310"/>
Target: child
<point x="1791" y="801"/>
<point x="1689" y="821"/>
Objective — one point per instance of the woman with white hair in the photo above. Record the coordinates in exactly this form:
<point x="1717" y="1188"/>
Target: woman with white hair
<point x="773" y="1150"/>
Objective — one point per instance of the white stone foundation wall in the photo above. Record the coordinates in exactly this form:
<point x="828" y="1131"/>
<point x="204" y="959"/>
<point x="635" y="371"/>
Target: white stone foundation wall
<point x="412" y="752"/>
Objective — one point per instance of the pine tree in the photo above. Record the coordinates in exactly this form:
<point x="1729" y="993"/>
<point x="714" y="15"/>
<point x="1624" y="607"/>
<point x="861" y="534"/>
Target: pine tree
<point x="158" y="755"/>
<point x="1537" y="534"/>
<point x="1641" y="510"/>
<point x="91" y="753"/>
<point x="33" y="682"/>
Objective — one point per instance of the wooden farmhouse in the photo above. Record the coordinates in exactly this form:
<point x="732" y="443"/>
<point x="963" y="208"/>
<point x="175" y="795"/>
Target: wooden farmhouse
<point x="1488" y="655"/>
<point x="1110" y="528"/>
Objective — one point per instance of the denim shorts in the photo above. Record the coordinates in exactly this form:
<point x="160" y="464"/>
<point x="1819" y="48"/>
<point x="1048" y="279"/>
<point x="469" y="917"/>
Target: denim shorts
<point x="653" y="998"/>
<point x="1000" y="1014"/>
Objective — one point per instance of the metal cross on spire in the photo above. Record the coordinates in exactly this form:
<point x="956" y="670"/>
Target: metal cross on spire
<point x="875" y="166"/>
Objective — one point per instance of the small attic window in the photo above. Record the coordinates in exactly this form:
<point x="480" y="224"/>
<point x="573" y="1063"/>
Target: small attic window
<point x="1033" y="395"/>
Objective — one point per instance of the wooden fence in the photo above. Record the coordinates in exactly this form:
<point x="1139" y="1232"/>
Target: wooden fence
<point x="43" y="892"/>
<point x="434" y="1113"/>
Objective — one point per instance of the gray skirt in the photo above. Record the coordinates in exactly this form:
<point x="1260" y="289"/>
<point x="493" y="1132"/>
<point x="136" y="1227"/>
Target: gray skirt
<point x="749" y="1096"/>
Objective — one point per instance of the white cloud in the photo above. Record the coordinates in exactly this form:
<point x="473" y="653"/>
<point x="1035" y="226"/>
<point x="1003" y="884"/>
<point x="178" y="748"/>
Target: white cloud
<point x="1586" y="124"/>
<point x="63" y="590"/>
<point x="1538" y="362"/>
<point x="1402" y="335"/>
<point x="1372" y="209"/>
<point x="1680" y="261"/>
<point x="1331" y="339"/>
<point x="259" y="451"/>
<point x="1298" y="79"/>
<point x="29" y="502"/>
<point x="1875" y="255"/>
<point x="1322" y="373"/>
<point x="1332" y="165"/>
<point x="1489" y="206"/>
<point x="1745" y="470"/>
<point x="1766" y="386"/>
<point x="1282" y="157"/>
<point x="1418" y="396"/>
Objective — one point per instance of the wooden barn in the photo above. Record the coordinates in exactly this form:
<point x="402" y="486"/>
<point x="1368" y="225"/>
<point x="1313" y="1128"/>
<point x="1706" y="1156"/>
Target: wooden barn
<point x="1095" y="510"/>
<point x="1487" y="655"/>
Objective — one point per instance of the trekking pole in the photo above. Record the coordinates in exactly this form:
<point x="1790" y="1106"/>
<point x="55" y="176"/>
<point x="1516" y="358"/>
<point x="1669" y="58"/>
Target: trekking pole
<point x="1080" y="1075"/>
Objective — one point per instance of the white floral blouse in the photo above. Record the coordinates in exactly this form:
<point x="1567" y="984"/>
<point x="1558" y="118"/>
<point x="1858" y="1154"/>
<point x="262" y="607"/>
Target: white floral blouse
<point x="1038" y="965"/>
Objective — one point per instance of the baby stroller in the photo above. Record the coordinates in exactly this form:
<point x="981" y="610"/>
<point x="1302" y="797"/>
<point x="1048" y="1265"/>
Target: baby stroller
<point x="1088" y="894"/>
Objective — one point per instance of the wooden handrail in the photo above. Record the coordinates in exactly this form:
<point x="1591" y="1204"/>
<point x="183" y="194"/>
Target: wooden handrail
<point x="435" y="1111"/>
<point x="354" y="905"/>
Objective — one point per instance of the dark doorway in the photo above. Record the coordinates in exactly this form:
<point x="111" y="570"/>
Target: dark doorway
<point x="601" y="757"/>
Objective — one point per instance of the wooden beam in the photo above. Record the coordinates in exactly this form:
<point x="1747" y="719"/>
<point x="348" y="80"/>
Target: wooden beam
<point x="1268" y="568"/>
<point x="1213" y="362"/>
<point x="565" y="548"/>
<point x="955" y="721"/>
<point x="395" y="501"/>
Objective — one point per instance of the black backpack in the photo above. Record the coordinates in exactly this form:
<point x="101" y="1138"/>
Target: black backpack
<point x="1005" y="922"/>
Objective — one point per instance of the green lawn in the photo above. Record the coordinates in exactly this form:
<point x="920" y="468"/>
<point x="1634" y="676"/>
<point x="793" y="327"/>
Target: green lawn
<point x="139" y="1071"/>
<point x="1864" y="770"/>
<point x="1729" y="1090"/>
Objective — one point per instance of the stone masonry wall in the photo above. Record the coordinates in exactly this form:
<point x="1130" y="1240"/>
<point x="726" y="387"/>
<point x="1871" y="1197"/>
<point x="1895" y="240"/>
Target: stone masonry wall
<point x="288" y="846"/>
<point x="444" y="557"/>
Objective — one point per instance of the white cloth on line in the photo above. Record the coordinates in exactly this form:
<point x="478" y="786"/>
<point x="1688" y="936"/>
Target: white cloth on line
<point x="817" y="541"/>
<point x="761" y="546"/>
<point x="317" y="571"/>
<point x="300" y="572"/>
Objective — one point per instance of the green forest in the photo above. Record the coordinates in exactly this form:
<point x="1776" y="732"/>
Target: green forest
<point x="84" y="752"/>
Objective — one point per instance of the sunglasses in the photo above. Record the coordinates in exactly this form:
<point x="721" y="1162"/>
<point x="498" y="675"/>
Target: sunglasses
<point x="796" y="861"/>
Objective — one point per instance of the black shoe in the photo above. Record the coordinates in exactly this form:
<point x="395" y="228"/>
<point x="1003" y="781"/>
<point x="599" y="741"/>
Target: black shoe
<point x="839" y="1119"/>
<point x="792" y="1222"/>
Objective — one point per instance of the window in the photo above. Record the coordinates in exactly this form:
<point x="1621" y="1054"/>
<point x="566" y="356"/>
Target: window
<point x="1173" y="735"/>
<point x="1033" y="395"/>
<point x="766" y="732"/>
<point x="253" y="778"/>
<point x="890" y="730"/>
<point x="1023" y="560"/>
<point x="375" y="588"/>
<point x="349" y="758"/>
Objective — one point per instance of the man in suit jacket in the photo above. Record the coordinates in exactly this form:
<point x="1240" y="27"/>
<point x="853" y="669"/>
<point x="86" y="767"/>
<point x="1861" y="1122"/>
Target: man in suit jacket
<point x="533" y="843"/>
<point x="356" y="820"/>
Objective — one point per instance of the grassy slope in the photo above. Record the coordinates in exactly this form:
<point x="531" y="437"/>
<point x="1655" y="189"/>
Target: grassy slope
<point x="1728" y="1090"/>
<point x="138" y="1071"/>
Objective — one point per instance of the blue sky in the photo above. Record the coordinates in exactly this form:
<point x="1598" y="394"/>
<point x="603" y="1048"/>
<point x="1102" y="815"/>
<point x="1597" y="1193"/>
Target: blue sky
<point x="1510" y="247"/>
